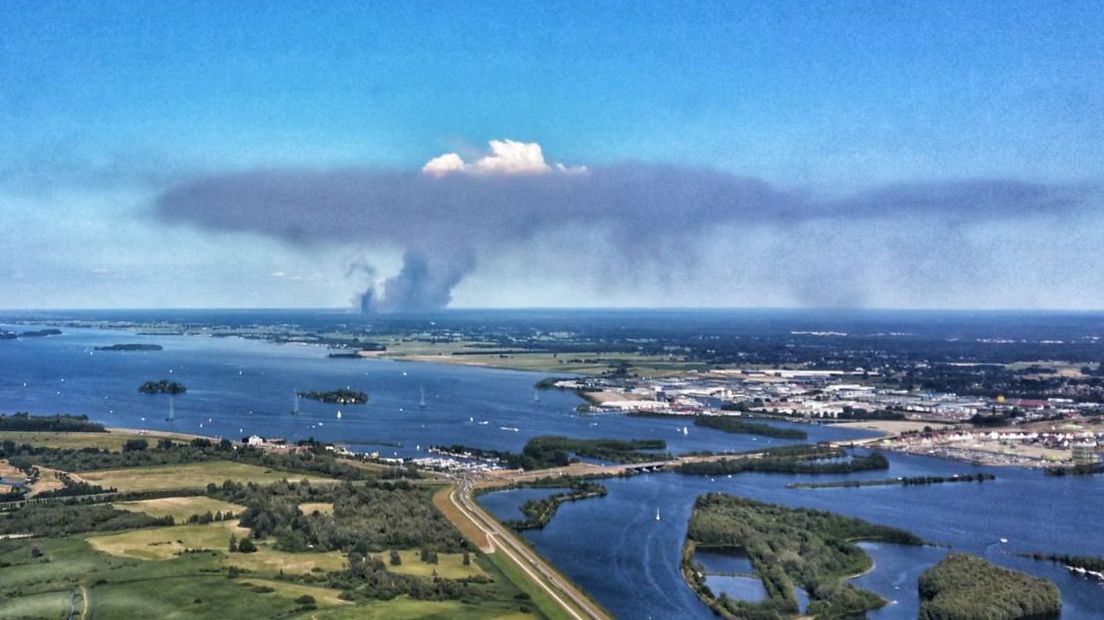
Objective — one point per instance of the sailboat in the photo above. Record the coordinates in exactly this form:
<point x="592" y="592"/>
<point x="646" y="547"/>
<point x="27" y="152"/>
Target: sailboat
<point x="172" y="410"/>
<point x="338" y="415"/>
<point x="421" y="402"/>
<point x="685" y="430"/>
<point x="295" y="403"/>
<point x="657" y="513"/>
<point x="536" y="396"/>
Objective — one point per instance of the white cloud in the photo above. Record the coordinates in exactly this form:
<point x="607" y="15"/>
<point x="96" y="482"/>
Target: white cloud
<point x="449" y="162"/>
<point x="506" y="157"/>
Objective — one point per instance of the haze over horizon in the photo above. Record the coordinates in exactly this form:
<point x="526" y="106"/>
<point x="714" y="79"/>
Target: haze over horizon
<point x="412" y="157"/>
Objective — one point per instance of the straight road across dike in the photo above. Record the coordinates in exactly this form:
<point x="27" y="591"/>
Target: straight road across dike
<point x="498" y="538"/>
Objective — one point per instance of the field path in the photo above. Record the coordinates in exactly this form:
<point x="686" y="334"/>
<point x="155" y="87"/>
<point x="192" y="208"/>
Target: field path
<point x="84" y="602"/>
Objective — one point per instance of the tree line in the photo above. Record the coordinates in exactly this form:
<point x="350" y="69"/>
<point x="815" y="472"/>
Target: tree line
<point x="964" y="586"/>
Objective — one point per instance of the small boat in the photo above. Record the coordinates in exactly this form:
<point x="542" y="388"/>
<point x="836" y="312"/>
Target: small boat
<point x="685" y="430"/>
<point x="421" y="401"/>
<point x="295" y="402"/>
<point x="536" y="396"/>
<point x="512" y="429"/>
<point x="338" y="415"/>
<point x="483" y="422"/>
<point x="657" y="513"/>
<point x="1004" y="541"/>
<point x="471" y="419"/>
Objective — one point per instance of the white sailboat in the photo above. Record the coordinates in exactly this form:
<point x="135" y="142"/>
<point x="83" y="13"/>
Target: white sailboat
<point x="421" y="401"/>
<point x="657" y="513"/>
<point x="172" y="409"/>
<point x="295" y="403"/>
<point x="536" y="396"/>
<point x="338" y="415"/>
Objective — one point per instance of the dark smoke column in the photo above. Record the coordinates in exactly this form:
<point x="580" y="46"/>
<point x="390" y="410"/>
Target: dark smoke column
<point x="420" y="286"/>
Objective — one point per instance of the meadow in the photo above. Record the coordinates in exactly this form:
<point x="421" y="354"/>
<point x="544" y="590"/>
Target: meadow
<point x="189" y="476"/>
<point x="179" y="508"/>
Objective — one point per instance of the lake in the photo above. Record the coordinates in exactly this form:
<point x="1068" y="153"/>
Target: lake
<point x="613" y="546"/>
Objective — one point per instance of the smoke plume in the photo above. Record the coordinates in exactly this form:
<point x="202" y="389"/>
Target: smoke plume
<point x="448" y="214"/>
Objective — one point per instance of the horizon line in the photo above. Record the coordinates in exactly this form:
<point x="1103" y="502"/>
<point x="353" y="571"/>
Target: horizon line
<point x="353" y="311"/>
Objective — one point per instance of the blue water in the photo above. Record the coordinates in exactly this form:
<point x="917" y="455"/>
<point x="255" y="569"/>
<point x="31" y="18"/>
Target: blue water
<point x="506" y="505"/>
<point x="724" y="563"/>
<point x="238" y="387"/>
<point x="612" y="546"/>
<point x="738" y="587"/>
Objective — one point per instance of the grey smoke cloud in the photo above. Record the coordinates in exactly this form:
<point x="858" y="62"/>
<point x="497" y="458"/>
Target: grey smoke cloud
<point x="443" y="223"/>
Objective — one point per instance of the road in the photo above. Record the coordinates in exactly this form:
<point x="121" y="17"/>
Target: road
<point x="567" y="596"/>
<point x="506" y="477"/>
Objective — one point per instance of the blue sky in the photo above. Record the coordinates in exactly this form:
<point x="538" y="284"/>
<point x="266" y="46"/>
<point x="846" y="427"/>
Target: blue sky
<point x="104" y="106"/>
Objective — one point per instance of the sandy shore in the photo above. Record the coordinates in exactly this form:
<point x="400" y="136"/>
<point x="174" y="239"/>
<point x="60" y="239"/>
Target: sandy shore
<point x="889" y="428"/>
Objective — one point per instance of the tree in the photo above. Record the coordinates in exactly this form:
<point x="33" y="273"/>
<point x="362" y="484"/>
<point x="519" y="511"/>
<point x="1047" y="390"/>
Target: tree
<point x="135" y="445"/>
<point x="246" y="546"/>
<point x="467" y="558"/>
<point x="396" y="559"/>
<point x="233" y="543"/>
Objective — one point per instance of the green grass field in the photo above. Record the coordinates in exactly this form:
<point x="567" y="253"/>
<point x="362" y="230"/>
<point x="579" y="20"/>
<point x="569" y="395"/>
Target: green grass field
<point x="407" y="609"/>
<point x="163" y="543"/>
<point x="538" y="361"/>
<point x="544" y="603"/>
<point x="179" y="508"/>
<point x="112" y="440"/>
<point x="44" y="605"/>
<point x="195" y="585"/>
<point x="325" y="508"/>
<point x="189" y="476"/>
<point x="449" y="565"/>
<point x="326" y="597"/>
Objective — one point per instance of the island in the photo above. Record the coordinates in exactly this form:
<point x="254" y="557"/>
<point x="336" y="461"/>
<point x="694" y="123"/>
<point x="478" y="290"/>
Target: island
<point x="786" y="548"/>
<point x="132" y="347"/>
<point x="964" y="586"/>
<point x="798" y="459"/>
<point x="548" y="451"/>
<point x="40" y="333"/>
<point x="343" y="396"/>
<point x="163" y="386"/>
